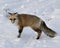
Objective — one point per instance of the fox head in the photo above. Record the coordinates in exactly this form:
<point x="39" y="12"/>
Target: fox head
<point x="12" y="17"/>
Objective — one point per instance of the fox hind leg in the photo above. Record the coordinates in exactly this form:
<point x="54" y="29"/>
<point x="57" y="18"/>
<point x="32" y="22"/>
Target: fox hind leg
<point x="38" y="32"/>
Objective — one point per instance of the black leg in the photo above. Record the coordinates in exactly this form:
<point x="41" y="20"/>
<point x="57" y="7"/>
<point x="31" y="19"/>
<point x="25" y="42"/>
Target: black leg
<point x="20" y="31"/>
<point x="38" y="32"/>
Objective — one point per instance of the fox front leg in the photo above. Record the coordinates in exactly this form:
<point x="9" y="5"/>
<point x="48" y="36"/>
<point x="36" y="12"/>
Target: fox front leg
<point x="20" y="31"/>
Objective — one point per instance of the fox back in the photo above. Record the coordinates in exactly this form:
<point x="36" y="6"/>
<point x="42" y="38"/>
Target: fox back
<point x="24" y="19"/>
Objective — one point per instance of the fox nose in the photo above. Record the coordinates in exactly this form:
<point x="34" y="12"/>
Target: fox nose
<point x="12" y="21"/>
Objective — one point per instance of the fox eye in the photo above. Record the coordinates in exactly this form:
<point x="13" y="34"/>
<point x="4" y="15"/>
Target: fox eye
<point x="14" y="18"/>
<point x="10" y="19"/>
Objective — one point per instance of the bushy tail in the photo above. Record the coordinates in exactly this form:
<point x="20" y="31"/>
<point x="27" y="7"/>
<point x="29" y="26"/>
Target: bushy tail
<point x="49" y="32"/>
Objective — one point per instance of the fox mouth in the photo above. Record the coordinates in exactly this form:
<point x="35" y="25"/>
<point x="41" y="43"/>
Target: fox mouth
<point x="13" y="22"/>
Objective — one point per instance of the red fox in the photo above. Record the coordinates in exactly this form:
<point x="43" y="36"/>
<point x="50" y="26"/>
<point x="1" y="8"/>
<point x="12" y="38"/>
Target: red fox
<point x="36" y="23"/>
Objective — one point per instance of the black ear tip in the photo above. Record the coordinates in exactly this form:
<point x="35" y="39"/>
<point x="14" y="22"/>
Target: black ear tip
<point x="15" y="13"/>
<point x="12" y="13"/>
<point x="9" y="13"/>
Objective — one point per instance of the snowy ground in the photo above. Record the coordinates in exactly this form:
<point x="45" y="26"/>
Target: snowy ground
<point x="45" y="9"/>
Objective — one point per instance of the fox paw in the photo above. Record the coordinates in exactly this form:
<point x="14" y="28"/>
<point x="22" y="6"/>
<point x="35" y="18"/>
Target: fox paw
<point x="37" y="38"/>
<point x="18" y="36"/>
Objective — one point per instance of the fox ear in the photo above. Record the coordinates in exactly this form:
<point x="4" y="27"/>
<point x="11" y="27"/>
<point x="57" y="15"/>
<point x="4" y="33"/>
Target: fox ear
<point x="9" y="13"/>
<point x="16" y="13"/>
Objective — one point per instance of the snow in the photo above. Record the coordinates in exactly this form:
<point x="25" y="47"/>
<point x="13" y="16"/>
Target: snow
<point x="48" y="10"/>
